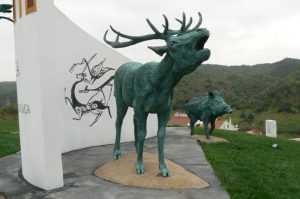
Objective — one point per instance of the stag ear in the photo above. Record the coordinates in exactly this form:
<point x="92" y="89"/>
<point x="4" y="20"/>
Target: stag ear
<point x="160" y="50"/>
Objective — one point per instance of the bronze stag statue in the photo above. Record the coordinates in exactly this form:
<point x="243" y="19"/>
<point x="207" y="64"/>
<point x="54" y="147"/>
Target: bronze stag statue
<point x="149" y="88"/>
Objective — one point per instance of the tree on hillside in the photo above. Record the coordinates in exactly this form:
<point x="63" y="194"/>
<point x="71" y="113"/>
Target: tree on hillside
<point x="6" y="8"/>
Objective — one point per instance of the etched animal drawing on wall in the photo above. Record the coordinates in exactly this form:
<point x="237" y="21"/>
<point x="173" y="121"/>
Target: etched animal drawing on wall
<point x="91" y="92"/>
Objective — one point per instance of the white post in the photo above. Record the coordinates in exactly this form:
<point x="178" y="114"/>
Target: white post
<point x="271" y="128"/>
<point x="40" y="140"/>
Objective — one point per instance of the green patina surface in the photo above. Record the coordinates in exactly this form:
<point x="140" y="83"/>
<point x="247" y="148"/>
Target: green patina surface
<point x="5" y="8"/>
<point x="149" y="88"/>
<point x="206" y="108"/>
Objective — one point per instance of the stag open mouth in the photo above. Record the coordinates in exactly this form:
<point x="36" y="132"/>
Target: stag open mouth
<point x="201" y="42"/>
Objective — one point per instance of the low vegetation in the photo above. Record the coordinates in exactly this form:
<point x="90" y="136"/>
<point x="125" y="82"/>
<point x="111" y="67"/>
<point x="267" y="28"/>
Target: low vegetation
<point x="8" y="93"/>
<point x="9" y="137"/>
<point x="249" y="167"/>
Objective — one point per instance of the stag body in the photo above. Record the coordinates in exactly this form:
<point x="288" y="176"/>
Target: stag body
<point x="148" y="88"/>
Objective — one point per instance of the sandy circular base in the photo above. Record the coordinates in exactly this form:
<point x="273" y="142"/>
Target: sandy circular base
<point x="211" y="140"/>
<point x="2" y="197"/>
<point x="122" y="171"/>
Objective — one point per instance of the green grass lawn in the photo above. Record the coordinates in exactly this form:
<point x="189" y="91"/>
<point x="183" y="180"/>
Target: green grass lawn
<point x="249" y="167"/>
<point x="9" y="137"/>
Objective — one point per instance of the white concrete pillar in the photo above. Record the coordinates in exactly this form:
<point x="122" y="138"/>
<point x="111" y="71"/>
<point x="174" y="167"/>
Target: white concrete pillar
<point x="40" y="140"/>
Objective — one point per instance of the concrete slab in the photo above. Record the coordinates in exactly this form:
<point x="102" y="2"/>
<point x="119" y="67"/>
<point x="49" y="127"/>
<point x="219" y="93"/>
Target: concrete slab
<point x="80" y="182"/>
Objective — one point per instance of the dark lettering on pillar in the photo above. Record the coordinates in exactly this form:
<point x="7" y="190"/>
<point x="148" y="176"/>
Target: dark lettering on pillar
<point x="24" y="109"/>
<point x="17" y="70"/>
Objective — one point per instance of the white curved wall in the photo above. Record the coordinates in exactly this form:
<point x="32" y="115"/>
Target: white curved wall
<point x="71" y="45"/>
<point x="47" y="45"/>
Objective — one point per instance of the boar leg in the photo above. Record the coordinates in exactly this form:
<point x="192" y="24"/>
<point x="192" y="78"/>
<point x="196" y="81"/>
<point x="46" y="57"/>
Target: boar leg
<point x="206" y="130"/>
<point x="192" y="124"/>
<point x="212" y="124"/>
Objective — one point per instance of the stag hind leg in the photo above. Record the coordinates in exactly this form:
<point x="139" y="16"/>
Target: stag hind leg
<point x="121" y="112"/>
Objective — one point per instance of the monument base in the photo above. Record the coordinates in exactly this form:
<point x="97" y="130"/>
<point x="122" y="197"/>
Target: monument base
<point x="122" y="171"/>
<point x="211" y="140"/>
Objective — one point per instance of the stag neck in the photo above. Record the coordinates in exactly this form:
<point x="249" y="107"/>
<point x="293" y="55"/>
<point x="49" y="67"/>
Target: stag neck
<point x="166" y="75"/>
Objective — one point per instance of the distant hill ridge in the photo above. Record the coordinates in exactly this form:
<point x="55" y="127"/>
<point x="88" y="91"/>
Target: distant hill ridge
<point x="258" y="87"/>
<point x="8" y="93"/>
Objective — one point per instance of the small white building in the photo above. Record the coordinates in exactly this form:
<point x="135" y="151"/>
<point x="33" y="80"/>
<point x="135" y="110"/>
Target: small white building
<point x="227" y="125"/>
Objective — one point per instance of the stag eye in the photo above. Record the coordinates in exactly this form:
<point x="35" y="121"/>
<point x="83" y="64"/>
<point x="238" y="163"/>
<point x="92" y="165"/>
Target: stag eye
<point x="172" y="43"/>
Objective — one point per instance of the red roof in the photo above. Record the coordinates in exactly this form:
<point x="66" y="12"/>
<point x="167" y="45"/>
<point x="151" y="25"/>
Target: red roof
<point x="183" y="121"/>
<point x="179" y="120"/>
<point x="218" y="123"/>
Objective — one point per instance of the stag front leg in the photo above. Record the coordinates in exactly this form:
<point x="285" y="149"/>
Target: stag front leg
<point x="140" y="119"/>
<point x="161" y="133"/>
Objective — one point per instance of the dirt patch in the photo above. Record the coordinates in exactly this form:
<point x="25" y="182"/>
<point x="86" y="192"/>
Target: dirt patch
<point x="122" y="171"/>
<point x="296" y="139"/>
<point x="211" y="140"/>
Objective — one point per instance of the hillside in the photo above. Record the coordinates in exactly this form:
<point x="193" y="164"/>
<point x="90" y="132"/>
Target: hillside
<point x="8" y="93"/>
<point x="259" y="88"/>
<point x="256" y="93"/>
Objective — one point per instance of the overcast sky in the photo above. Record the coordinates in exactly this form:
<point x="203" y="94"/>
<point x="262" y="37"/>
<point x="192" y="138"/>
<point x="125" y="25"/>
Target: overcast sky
<point x="242" y="31"/>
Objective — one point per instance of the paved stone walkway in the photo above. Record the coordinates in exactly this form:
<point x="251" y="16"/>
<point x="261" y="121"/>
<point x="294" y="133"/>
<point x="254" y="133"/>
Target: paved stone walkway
<point x="81" y="183"/>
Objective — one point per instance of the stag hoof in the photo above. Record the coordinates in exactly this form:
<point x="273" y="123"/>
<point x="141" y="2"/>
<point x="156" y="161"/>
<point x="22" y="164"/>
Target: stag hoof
<point x="139" y="168"/>
<point x="117" y="154"/>
<point x="164" y="172"/>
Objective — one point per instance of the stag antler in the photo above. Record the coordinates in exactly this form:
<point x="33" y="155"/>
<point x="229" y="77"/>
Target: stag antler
<point x="137" y="39"/>
<point x="185" y="28"/>
<point x="157" y="35"/>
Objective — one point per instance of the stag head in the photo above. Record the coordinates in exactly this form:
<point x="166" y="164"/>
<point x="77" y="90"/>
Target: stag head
<point x="185" y="46"/>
